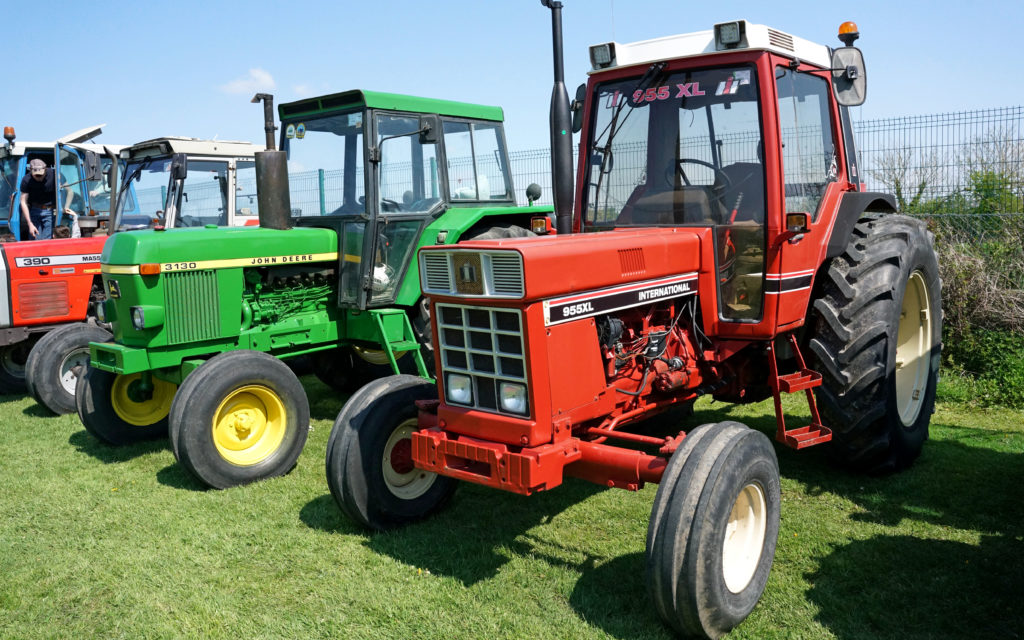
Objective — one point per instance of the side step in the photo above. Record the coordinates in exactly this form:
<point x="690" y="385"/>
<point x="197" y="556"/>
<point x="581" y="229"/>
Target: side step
<point x="802" y="380"/>
<point x="397" y="336"/>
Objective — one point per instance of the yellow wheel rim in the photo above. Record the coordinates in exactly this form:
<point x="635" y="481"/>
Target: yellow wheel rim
<point x="137" y="407"/>
<point x="913" y="349"/>
<point x="249" y="425"/>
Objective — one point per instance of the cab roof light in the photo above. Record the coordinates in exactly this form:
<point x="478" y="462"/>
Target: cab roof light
<point x="150" y="269"/>
<point x="729" y="35"/>
<point x="602" y="56"/>
<point x="9" y="135"/>
<point x="848" y="33"/>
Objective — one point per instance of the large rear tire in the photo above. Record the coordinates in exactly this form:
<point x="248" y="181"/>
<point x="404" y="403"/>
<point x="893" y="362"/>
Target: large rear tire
<point x="369" y="456"/>
<point x="56" y="363"/>
<point x="713" y="529"/>
<point x="120" y="409"/>
<point x="877" y="340"/>
<point x="240" y="417"/>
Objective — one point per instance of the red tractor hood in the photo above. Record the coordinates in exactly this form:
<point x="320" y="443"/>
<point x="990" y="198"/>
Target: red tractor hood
<point x="559" y="265"/>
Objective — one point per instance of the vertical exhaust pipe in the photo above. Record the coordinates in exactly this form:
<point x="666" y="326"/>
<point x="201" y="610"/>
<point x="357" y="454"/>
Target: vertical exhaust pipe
<point x="561" y="129"/>
<point x="272" y="195"/>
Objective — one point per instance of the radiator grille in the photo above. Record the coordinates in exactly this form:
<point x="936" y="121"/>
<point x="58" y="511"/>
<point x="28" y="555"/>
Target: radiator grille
<point x="191" y="306"/>
<point x="436" y="275"/>
<point x="491" y="274"/>
<point x="43" y="299"/>
<point x="485" y="345"/>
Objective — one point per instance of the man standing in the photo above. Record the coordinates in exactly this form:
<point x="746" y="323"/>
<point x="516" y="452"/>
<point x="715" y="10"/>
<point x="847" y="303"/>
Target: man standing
<point x="38" y="199"/>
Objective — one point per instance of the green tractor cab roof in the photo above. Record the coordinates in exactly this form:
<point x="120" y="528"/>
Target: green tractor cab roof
<point x="394" y="101"/>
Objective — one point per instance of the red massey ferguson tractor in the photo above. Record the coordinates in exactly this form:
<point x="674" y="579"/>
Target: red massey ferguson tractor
<point x="721" y="244"/>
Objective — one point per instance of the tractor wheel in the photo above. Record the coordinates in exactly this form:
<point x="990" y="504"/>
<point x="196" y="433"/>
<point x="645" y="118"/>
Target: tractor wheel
<point x="119" y="409"/>
<point x="877" y="341"/>
<point x="12" y="366"/>
<point x="334" y="368"/>
<point x="56" y="363"/>
<point x="240" y="417"/>
<point x="369" y="456"/>
<point x="713" y="529"/>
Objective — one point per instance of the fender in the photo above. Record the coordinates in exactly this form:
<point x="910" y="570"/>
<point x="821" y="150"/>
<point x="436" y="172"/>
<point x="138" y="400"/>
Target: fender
<point x="851" y="206"/>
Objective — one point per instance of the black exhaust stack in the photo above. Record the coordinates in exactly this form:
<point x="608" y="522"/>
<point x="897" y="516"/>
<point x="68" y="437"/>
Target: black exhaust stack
<point x="272" y="195"/>
<point x="561" y="129"/>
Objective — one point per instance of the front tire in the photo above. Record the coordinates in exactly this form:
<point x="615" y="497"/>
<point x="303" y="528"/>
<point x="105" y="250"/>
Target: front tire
<point x="56" y="363"/>
<point x="369" y="456"/>
<point x="121" y="409"/>
<point x="240" y="417"/>
<point x="713" y="529"/>
<point x="877" y="342"/>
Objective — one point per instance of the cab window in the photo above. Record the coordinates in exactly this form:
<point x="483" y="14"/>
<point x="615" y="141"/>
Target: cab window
<point x="808" y="149"/>
<point x="476" y="161"/>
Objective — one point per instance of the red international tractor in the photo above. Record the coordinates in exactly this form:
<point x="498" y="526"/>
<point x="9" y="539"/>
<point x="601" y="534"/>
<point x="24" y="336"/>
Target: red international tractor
<point x="721" y="244"/>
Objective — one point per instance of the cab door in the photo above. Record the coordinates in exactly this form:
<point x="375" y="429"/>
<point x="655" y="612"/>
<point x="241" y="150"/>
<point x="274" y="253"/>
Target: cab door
<point x="70" y="182"/>
<point x="813" y="176"/>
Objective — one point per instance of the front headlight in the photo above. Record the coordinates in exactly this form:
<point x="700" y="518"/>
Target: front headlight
<point x="101" y="312"/>
<point x="459" y="389"/>
<point x="147" y="317"/>
<point x="513" y="397"/>
<point x="138" y="318"/>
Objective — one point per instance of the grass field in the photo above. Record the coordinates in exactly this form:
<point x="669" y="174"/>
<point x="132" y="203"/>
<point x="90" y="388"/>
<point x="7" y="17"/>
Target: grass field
<point x="101" y="542"/>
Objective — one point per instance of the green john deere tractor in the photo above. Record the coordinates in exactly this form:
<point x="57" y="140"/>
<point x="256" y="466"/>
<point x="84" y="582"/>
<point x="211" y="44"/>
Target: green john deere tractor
<point x="204" y="319"/>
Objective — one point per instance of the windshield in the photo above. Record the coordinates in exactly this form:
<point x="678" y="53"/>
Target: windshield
<point x="325" y="164"/>
<point x="676" y="148"/>
<point x="143" y="193"/>
<point x="99" y="192"/>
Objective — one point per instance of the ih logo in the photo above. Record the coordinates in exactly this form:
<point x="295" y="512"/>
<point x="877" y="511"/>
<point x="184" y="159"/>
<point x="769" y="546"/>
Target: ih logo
<point x="468" y="274"/>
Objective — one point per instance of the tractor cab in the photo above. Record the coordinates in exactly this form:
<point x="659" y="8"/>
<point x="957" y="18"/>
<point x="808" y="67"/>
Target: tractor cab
<point x="382" y="167"/>
<point x="80" y="185"/>
<point x="733" y="130"/>
<point x="186" y="182"/>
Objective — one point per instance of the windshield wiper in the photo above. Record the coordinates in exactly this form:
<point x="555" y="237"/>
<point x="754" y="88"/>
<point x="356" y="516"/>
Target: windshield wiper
<point x="614" y="126"/>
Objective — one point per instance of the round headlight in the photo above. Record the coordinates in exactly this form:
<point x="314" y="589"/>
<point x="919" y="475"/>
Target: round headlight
<point x="138" y="318"/>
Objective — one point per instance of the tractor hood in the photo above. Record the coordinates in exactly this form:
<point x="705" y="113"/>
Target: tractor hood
<point x="220" y="247"/>
<point x="559" y="265"/>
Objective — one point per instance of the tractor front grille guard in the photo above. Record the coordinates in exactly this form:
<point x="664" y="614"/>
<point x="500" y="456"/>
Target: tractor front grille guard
<point x="483" y="360"/>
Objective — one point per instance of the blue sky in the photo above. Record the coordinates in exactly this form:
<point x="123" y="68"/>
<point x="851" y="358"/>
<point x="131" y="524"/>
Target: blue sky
<point x="190" y="67"/>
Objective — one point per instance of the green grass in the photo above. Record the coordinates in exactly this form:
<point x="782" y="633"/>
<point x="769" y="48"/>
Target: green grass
<point x="101" y="542"/>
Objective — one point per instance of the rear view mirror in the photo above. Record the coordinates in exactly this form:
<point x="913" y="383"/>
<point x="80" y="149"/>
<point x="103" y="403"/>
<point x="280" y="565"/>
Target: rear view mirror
<point x="179" y="166"/>
<point x="849" y="80"/>
<point x="577" y="108"/>
<point x="93" y="168"/>
<point x="430" y="129"/>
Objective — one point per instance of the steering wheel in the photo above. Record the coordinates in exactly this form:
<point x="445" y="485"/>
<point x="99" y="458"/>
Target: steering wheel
<point x="725" y="181"/>
<point x="390" y="205"/>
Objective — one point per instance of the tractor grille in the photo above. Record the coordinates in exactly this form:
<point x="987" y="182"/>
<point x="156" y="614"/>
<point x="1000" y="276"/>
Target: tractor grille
<point x="191" y="306"/>
<point x="492" y="274"/>
<point x="485" y="345"/>
<point x="43" y="299"/>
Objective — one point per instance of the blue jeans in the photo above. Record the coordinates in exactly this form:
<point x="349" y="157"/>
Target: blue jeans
<point x="43" y="220"/>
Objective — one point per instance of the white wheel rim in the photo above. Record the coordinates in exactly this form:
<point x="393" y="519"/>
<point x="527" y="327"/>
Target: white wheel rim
<point x="68" y="378"/>
<point x="913" y="349"/>
<point x="744" y="538"/>
<point x="407" y="484"/>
